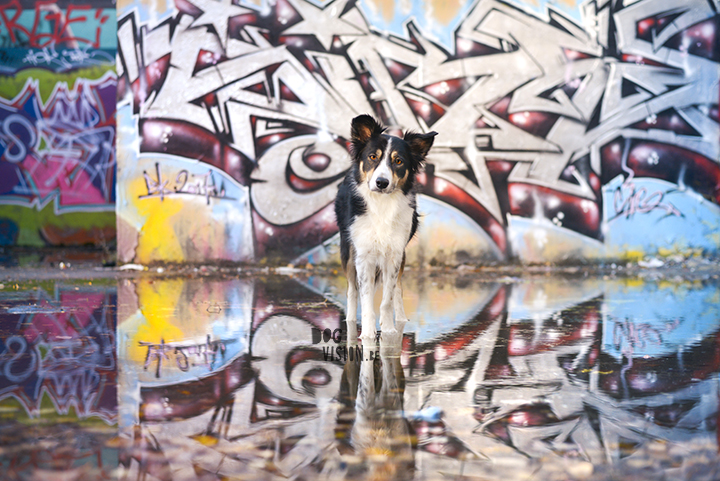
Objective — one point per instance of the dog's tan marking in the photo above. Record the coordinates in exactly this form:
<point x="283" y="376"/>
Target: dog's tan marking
<point x="363" y="174"/>
<point x="398" y="305"/>
<point x="402" y="180"/>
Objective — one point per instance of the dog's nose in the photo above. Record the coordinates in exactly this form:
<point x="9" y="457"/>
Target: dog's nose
<point x="382" y="182"/>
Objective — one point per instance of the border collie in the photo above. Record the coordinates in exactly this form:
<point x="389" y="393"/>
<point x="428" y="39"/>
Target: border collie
<point x="377" y="216"/>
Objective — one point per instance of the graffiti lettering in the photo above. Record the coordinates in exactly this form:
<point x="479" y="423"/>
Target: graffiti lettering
<point x="17" y="143"/>
<point x="48" y="13"/>
<point x="67" y="58"/>
<point x="185" y="355"/>
<point x="629" y="200"/>
<point x="47" y="55"/>
<point x="629" y="336"/>
<point x="185" y="183"/>
<point x="15" y="349"/>
<point x="84" y="56"/>
<point x="71" y="365"/>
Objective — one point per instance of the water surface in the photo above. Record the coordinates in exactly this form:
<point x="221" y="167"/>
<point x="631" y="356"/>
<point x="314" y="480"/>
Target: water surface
<point x="254" y="377"/>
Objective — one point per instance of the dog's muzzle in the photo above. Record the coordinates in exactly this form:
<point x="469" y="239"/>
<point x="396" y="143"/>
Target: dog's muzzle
<point x="381" y="185"/>
<point x="380" y="181"/>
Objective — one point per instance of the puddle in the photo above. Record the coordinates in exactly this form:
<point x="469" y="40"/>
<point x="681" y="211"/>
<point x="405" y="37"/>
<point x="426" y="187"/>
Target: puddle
<point x="175" y="378"/>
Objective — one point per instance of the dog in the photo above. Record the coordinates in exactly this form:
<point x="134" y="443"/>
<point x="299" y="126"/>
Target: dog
<point x="377" y="216"/>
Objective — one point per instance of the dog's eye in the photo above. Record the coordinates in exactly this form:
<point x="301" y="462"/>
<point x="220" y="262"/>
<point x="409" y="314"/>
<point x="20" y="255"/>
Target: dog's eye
<point x="372" y="157"/>
<point x="398" y="161"/>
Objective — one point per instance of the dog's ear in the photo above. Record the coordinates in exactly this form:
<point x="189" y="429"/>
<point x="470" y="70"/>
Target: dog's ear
<point x="420" y="143"/>
<point x="363" y="128"/>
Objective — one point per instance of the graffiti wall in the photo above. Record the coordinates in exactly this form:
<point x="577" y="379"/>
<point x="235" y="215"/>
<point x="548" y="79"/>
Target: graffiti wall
<point x="583" y="132"/>
<point x="57" y="122"/>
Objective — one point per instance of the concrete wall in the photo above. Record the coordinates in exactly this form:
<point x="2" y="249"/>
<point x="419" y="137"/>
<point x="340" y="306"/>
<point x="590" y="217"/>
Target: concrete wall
<point x="57" y="122"/>
<point x="572" y="133"/>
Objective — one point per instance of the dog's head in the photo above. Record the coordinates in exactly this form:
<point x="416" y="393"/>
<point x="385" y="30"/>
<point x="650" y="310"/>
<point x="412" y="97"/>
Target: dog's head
<point x="387" y="163"/>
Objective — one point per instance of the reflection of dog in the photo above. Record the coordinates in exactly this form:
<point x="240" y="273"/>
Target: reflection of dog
<point x="377" y="217"/>
<point x="371" y="422"/>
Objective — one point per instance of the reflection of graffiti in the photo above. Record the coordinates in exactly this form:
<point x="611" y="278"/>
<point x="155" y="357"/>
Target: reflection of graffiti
<point x="58" y="380"/>
<point x="542" y="372"/>
<point x="283" y="331"/>
<point x="62" y="347"/>
<point x="627" y="332"/>
<point x="185" y="355"/>
<point x="279" y="379"/>
<point x="535" y="116"/>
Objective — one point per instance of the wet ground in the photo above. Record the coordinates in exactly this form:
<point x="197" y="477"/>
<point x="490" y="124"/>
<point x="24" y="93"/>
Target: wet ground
<point x="248" y="374"/>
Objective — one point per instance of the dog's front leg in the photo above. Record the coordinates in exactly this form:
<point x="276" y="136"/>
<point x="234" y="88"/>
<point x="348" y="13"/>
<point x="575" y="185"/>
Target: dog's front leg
<point x="366" y="285"/>
<point x="400" y="317"/>
<point x="390" y="274"/>
<point x="352" y="299"/>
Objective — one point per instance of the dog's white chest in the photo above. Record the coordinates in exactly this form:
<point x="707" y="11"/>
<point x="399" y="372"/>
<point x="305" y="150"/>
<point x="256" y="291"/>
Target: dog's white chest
<point x="384" y="228"/>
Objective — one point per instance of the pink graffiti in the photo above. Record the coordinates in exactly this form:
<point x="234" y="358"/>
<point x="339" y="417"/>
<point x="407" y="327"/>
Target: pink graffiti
<point x="66" y="350"/>
<point x="57" y="324"/>
<point x="56" y="175"/>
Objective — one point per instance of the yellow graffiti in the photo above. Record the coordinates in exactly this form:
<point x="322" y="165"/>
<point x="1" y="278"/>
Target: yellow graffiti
<point x="157" y="238"/>
<point x="172" y="310"/>
<point x="158" y="303"/>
